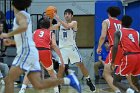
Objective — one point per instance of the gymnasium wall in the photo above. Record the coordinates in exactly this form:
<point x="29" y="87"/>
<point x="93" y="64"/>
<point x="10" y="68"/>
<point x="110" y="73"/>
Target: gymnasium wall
<point x="133" y="9"/>
<point x="80" y="7"/>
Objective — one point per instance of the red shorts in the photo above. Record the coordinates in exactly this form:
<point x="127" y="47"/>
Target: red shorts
<point x="118" y="56"/>
<point x="45" y="57"/>
<point x="129" y="65"/>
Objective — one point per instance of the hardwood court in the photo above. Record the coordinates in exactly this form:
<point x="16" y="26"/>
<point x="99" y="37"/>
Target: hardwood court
<point x="101" y="88"/>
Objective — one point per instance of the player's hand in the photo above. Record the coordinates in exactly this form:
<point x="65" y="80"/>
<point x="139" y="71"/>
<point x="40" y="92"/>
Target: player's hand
<point x="112" y="66"/>
<point x="4" y="35"/>
<point x="99" y="50"/>
<point x="7" y="42"/>
<point x="56" y="16"/>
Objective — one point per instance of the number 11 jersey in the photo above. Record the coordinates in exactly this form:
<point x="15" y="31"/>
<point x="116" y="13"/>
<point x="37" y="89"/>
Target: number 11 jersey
<point x="66" y="37"/>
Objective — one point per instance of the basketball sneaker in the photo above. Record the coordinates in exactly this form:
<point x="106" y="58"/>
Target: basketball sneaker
<point x="22" y="91"/>
<point x="91" y="85"/>
<point x="74" y="82"/>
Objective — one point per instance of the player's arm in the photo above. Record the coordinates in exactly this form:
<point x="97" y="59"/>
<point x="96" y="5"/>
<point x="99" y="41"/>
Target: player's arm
<point x="56" y="49"/>
<point x="103" y="36"/>
<point x="73" y="24"/>
<point x="8" y="42"/>
<point x="22" y="25"/>
<point x="54" y="27"/>
<point x="115" y="47"/>
<point x="21" y="20"/>
<point x="100" y="58"/>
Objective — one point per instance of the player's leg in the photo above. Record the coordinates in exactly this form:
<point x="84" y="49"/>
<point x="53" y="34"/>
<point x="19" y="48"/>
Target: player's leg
<point x="13" y="74"/>
<point x="135" y="82"/>
<point x="36" y="81"/>
<point x="107" y="74"/>
<point x="75" y="58"/>
<point x="53" y="75"/>
<point x="117" y="83"/>
<point x="96" y="70"/>
<point x="86" y="75"/>
<point x="24" y="84"/>
<point x="131" y="83"/>
<point x="123" y="87"/>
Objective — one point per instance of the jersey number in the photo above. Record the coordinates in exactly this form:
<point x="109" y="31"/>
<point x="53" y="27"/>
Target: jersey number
<point x="41" y="34"/>
<point x="130" y="36"/>
<point x="117" y="26"/>
<point x="64" y="34"/>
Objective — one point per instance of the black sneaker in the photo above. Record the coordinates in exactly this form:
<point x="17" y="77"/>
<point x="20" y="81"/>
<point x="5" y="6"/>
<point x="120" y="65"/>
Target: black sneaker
<point x="91" y="86"/>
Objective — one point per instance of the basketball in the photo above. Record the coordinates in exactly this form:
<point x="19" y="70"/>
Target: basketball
<point x="50" y="10"/>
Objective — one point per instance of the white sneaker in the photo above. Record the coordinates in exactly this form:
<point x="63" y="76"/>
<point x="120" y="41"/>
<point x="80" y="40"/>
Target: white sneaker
<point x="129" y="90"/>
<point x="22" y="91"/>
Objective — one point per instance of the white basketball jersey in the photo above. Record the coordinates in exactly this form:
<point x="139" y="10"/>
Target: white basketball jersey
<point x="66" y="37"/>
<point x="24" y="40"/>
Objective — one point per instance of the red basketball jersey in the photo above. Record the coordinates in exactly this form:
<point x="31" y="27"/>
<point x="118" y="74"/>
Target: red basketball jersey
<point x="130" y="40"/>
<point x="42" y="38"/>
<point x="114" y="25"/>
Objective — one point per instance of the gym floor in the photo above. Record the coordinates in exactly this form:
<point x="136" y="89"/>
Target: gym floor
<point x="101" y="88"/>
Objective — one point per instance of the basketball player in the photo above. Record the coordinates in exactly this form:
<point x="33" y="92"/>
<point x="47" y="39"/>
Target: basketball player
<point x="27" y="59"/>
<point x="130" y="43"/>
<point x="67" y="44"/>
<point x="109" y="26"/>
<point x="45" y="41"/>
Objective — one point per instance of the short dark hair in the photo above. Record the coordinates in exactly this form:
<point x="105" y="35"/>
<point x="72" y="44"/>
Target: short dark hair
<point x="44" y="23"/>
<point x="114" y="11"/>
<point x="21" y="4"/>
<point x="68" y="11"/>
<point x="126" y="21"/>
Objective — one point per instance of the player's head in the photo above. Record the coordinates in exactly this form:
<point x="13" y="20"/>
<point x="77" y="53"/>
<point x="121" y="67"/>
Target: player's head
<point x="126" y="21"/>
<point x="114" y="11"/>
<point x="68" y="14"/>
<point x="44" y="23"/>
<point x="21" y="4"/>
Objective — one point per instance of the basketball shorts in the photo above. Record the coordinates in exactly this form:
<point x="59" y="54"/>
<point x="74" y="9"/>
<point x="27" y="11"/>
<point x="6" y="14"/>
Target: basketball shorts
<point x="118" y="56"/>
<point x="129" y="65"/>
<point x="70" y="53"/>
<point x="45" y="57"/>
<point x="28" y="60"/>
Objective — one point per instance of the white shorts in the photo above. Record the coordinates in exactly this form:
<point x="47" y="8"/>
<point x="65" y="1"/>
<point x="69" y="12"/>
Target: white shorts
<point x="71" y="53"/>
<point x="28" y="60"/>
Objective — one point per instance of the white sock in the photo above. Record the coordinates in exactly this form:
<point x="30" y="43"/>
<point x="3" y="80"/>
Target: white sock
<point x="23" y="86"/>
<point x="117" y="91"/>
<point x="129" y="90"/>
<point x="66" y="81"/>
<point x="56" y="90"/>
<point x="87" y="77"/>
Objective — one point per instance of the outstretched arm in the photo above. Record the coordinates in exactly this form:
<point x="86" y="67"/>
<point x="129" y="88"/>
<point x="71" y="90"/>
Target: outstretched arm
<point x="103" y="36"/>
<point x="72" y="24"/>
<point x="115" y="48"/>
<point x="8" y="42"/>
<point x="56" y="49"/>
<point x="22" y="26"/>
